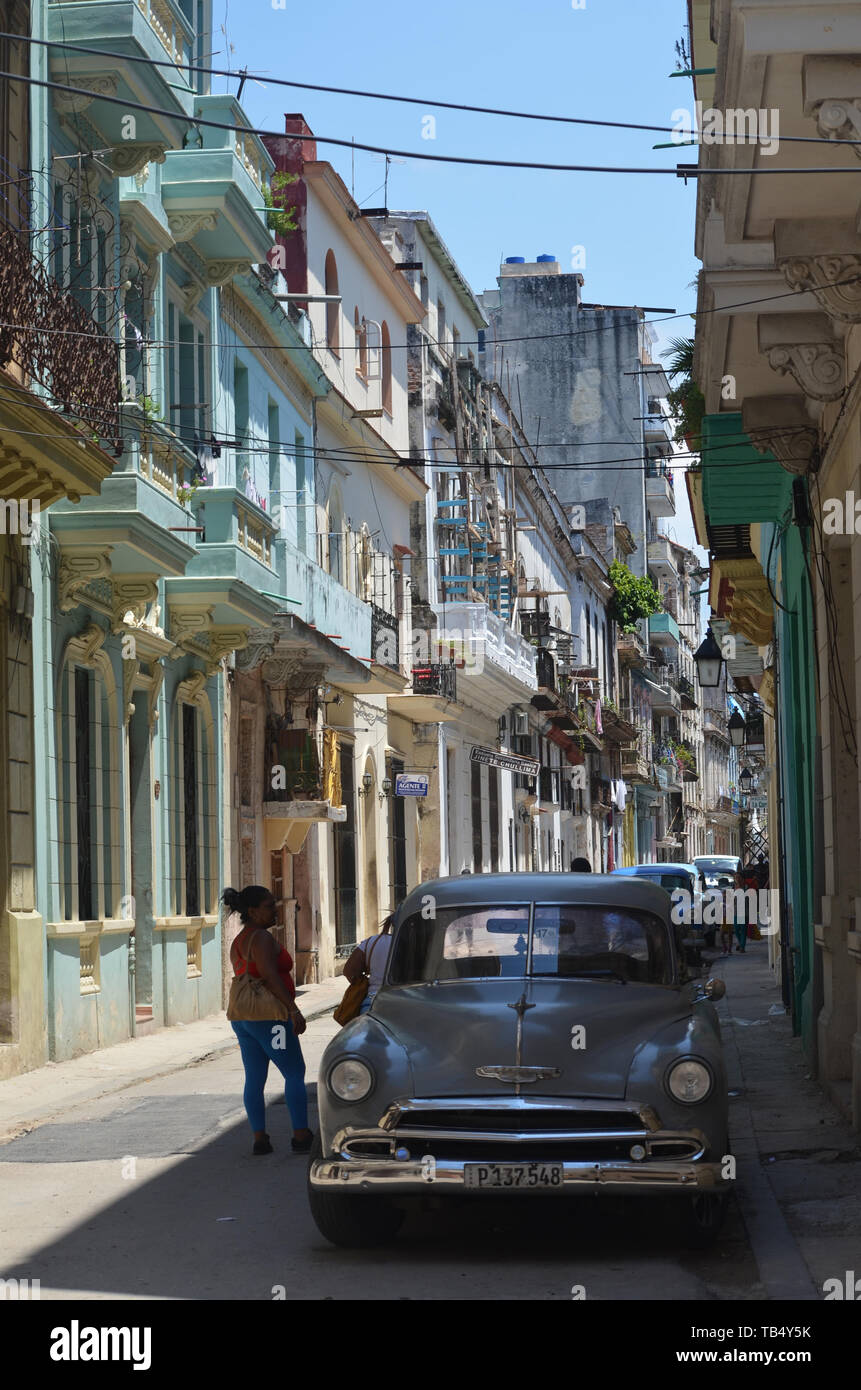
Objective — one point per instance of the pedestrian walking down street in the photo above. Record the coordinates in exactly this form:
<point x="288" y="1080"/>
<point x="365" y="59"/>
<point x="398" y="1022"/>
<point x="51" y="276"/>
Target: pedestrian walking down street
<point x="254" y="951"/>
<point x="727" y="925"/>
<point x="371" y="955"/>
<point x="741" y="916"/>
<point x="581" y="866"/>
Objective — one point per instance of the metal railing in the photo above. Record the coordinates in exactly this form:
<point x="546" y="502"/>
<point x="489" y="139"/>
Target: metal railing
<point x="435" y="679"/>
<point x="70" y="355"/>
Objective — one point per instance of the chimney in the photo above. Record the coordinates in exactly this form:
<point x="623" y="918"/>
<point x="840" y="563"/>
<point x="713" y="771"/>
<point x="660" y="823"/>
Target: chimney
<point x="291" y="152"/>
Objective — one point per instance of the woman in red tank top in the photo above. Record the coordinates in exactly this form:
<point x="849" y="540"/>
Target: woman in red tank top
<point x="253" y="950"/>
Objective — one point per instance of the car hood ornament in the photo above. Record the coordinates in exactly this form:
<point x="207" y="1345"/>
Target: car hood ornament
<point x="518" y="1073"/>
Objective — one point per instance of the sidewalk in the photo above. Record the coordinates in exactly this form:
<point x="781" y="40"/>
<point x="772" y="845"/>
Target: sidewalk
<point x="799" y="1164"/>
<point x="38" y="1095"/>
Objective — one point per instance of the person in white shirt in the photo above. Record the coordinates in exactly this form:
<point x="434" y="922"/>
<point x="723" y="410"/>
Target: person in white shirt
<point x="370" y="957"/>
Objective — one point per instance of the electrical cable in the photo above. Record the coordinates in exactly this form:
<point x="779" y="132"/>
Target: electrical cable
<point x="268" y="81"/>
<point x="685" y="172"/>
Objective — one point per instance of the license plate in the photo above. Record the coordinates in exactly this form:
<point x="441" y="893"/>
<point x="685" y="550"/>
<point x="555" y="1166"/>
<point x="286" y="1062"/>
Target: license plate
<point x="513" y="1176"/>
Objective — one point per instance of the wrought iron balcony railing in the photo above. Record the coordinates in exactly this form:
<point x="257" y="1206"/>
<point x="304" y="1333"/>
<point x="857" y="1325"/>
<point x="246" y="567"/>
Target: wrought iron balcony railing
<point x="436" y="679"/>
<point x="47" y="334"/>
<point x="385" y="638"/>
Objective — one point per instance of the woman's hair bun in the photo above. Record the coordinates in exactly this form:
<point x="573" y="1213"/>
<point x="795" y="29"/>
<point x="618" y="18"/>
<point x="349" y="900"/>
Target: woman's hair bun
<point x="232" y="899"/>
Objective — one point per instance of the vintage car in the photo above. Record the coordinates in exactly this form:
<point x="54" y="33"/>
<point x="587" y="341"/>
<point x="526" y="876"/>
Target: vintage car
<point x="534" y="1033"/>
<point x="685" y="884"/>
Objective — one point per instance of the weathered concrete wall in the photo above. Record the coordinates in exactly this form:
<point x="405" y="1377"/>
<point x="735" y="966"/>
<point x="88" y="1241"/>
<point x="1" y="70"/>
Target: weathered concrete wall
<point x="581" y="393"/>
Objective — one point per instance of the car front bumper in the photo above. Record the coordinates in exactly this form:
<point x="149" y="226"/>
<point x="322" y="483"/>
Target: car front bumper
<point x="415" y="1176"/>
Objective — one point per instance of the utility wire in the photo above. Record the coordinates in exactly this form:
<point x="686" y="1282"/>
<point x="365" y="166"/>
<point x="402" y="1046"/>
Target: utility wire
<point x="685" y="171"/>
<point x="266" y="80"/>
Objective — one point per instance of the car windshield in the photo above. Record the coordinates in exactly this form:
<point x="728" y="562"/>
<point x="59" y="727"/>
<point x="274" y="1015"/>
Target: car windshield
<point x="722" y="865"/>
<point x="463" y="943"/>
<point x="667" y="880"/>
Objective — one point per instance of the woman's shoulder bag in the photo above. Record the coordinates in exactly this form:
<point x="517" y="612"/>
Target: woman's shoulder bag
<point x="354" y="994"/>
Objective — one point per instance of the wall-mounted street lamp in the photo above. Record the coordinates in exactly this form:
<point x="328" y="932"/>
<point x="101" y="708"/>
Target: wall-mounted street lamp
<point x="745" y="779"/>
<point x="708" y="660"/>
<point x="367" y="783"/>
<point x="385" y="788"/>
<point x="736" y="729"/>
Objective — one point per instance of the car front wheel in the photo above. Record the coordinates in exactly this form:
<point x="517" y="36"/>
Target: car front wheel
<point x="353" y="1221"/>
<point x="699" y="1219"/>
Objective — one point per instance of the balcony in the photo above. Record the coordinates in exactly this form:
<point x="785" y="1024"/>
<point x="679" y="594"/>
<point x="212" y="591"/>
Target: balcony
<point x="688" y="693"/>
<point x="434" y="695"/>
<point x="631" y="650"/>
<point x="664" y="631"/>
<point x="658" y="429"/>
<point x="664" y="699"/>
<point x="660" y="494"/>
<point x="715" y="723"/>
<point x="290" y="810"/>
<point x="73" y="359"/>
<point x="150" y="29"/>
<point x="498" y="663"/>
<point x="635" y="766"/>
<point x="213" y="194"/>
<point x="660" y="558"/>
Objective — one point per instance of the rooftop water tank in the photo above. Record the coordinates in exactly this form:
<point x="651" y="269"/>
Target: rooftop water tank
<point x="515" y="260"/>
<point x="541" y="260"/>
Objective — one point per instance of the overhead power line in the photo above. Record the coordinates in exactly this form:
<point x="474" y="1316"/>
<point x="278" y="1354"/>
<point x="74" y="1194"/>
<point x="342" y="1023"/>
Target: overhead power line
<point x="685" y="171"/>
<point x="243" y="76"/>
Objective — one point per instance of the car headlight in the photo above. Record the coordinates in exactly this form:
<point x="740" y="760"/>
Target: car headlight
<point x="350" y="1079"/>
<point x="689" y="1081"/>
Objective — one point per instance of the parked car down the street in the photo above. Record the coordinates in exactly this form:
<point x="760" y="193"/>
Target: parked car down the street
<point x="686" y="885"/>
<point x="534" y="1033"/>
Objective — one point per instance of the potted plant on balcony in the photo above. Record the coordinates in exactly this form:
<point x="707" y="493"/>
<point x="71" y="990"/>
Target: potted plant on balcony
<point x="633" y="598"/>
<point x="279" y="219"/>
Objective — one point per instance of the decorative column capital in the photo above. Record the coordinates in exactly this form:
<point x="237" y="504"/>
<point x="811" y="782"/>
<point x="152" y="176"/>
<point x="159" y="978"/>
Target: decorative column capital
<point x="185" y="625"/>
<point x="258" y="648"/>
<point x="835" y="280"/>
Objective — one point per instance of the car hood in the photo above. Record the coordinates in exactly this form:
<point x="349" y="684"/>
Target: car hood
<point x="449" y="1029"/>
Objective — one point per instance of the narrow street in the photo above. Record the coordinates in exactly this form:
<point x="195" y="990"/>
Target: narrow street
<point x="202" y="1219"/>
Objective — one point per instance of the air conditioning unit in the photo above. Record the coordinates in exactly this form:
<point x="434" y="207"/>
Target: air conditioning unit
<point x="520" y="721"/>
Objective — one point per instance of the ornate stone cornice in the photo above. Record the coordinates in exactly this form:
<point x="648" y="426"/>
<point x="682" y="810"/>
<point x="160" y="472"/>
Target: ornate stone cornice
<point x="77" y="569"/>
<point x="131" y="156"/>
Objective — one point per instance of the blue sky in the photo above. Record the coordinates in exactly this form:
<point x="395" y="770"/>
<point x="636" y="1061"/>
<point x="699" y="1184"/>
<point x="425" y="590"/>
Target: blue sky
<point x="610" y="60"/>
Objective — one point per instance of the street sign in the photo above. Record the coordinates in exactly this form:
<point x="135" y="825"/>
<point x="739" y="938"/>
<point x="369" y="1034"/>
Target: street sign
<point x="411" y="784"/>
<point x="758" y="803"/>
<point x="509" y="762"/>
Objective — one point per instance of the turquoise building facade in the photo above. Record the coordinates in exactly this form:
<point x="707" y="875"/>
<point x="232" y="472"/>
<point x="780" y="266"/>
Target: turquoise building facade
<point x="158" y="227"/>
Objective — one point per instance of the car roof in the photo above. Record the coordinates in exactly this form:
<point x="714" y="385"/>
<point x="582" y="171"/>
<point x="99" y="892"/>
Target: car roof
<point x="717" y="858"/>
<point x="665" y="868"/>
<point x="506" y="890"/>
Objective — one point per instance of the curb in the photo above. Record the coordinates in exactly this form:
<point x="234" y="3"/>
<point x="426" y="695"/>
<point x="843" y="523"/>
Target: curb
<point x="25" y="1125"/>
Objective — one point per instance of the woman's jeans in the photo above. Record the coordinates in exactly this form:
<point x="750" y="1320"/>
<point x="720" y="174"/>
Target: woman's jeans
<point x="264" y="1042"/>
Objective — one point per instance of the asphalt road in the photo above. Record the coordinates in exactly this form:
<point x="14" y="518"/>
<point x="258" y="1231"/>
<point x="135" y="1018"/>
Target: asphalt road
<point x="153" y="1193"/>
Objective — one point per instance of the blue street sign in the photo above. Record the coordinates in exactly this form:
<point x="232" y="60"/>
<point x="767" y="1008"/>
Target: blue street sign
<point x="411" y="784"/>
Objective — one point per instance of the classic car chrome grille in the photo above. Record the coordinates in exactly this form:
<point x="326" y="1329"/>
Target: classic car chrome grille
<point x="511" y="1121"/>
